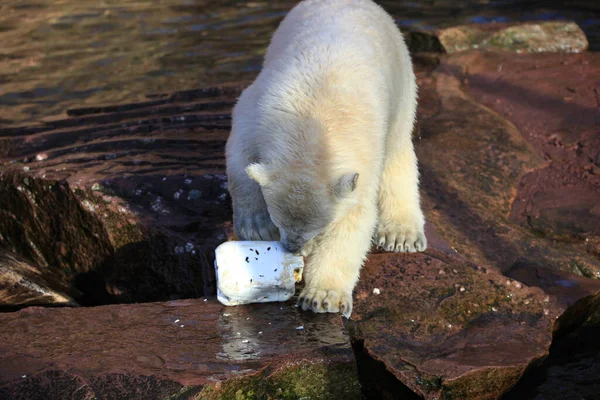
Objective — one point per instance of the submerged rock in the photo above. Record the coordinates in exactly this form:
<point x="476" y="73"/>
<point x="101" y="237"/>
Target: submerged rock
<point x="519" y="37"/>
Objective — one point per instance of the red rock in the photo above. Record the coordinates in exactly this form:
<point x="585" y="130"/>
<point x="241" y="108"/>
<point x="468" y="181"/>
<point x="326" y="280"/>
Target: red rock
<point x="468" y="333"/>
<point x="183" y="348"/>
<point x="566" y="133"/>
<point x="475" y="162"/>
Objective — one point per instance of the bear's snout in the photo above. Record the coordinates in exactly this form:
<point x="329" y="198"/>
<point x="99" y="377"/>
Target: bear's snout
<point x="293" y="244"/>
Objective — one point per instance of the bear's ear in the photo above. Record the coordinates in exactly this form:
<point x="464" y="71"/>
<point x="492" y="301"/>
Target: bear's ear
<point x="259" y="174"/>
<point x="346" y="185"/>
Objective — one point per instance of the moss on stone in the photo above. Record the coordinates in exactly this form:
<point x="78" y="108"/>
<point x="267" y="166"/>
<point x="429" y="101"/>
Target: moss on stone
<point x="483" y="383"/>
<point x="303" y="380"/>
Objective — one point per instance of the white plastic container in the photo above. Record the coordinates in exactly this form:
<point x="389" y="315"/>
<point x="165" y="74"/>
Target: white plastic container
<point x="255" y="272"/>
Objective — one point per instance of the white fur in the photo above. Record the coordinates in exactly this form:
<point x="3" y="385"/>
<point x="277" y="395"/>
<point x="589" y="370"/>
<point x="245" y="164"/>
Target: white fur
<point x="336" y="96"/>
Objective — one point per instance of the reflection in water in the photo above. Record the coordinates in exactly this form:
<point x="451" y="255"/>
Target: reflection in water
<point x="257" y="331"/>
<point x="56" y="55"/>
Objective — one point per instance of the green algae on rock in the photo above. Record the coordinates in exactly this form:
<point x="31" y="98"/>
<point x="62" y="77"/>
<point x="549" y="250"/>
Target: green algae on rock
<point x="528" y="37"/>
<point x="302" y="379"/>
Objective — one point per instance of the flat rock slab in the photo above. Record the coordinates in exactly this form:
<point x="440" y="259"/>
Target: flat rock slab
<point x="495" y="186"/>
<point x="449" y="329"/>
<point x="180" y="349"/>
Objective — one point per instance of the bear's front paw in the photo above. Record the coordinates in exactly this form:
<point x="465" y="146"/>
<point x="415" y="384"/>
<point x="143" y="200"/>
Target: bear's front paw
<point x="257" y="226"/>
<point x="399" y="237"/>
<point x="323" y="300"/>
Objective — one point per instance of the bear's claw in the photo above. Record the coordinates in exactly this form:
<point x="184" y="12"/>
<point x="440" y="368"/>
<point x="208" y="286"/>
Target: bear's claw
<point x="325" y="301"/>
<point x="401" y="238"/>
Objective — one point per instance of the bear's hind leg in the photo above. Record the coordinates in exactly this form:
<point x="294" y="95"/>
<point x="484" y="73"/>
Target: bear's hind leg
<point x="401" y="220"/>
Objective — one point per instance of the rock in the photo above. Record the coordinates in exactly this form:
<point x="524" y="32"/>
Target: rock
<point x="519" y="37"/>
<point x="487" y="158"/>
<point x="570" y="372"/>
<point x="447" y="328"/>
<point x="182" y="349"/>
<point x="127" y="202"/>
<point x="22" y="284"/>
<point x="564" y="132"/>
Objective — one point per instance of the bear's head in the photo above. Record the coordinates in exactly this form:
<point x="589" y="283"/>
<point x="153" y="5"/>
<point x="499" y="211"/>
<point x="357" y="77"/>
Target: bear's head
<point x="301" y="203"/>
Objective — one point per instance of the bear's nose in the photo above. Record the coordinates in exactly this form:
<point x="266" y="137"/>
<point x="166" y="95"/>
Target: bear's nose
<point x="293" y="244"/>
<point x="292" y="247"/>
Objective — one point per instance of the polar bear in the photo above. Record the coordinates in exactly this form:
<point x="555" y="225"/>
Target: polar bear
<point x="320" y="154"/>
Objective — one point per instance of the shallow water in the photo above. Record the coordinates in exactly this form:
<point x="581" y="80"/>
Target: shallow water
<point x="60" y="54"/>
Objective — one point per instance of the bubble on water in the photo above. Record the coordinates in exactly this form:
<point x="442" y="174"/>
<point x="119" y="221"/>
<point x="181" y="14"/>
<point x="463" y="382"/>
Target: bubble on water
<point x="189" y="247"/>
<point x="178" y="194"/>
<point x="194" y="194"/>
<point x="179" y="250"/>
<point x="187" y="181"/>
<point x="157" y="204"/>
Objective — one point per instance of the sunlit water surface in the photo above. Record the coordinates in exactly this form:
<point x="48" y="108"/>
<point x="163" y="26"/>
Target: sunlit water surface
<point x="60" y="54"/>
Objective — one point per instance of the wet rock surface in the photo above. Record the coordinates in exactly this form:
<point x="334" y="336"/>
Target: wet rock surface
<point x="123" y="203"/>
<point x="22" y="283"/>
<point x="508" y="151"/>
<point x="180" y="349"/>
<point x="450" y="329"/>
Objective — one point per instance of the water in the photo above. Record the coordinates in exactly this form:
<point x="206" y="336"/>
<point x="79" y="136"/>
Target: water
<point x="60" y="54"/>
